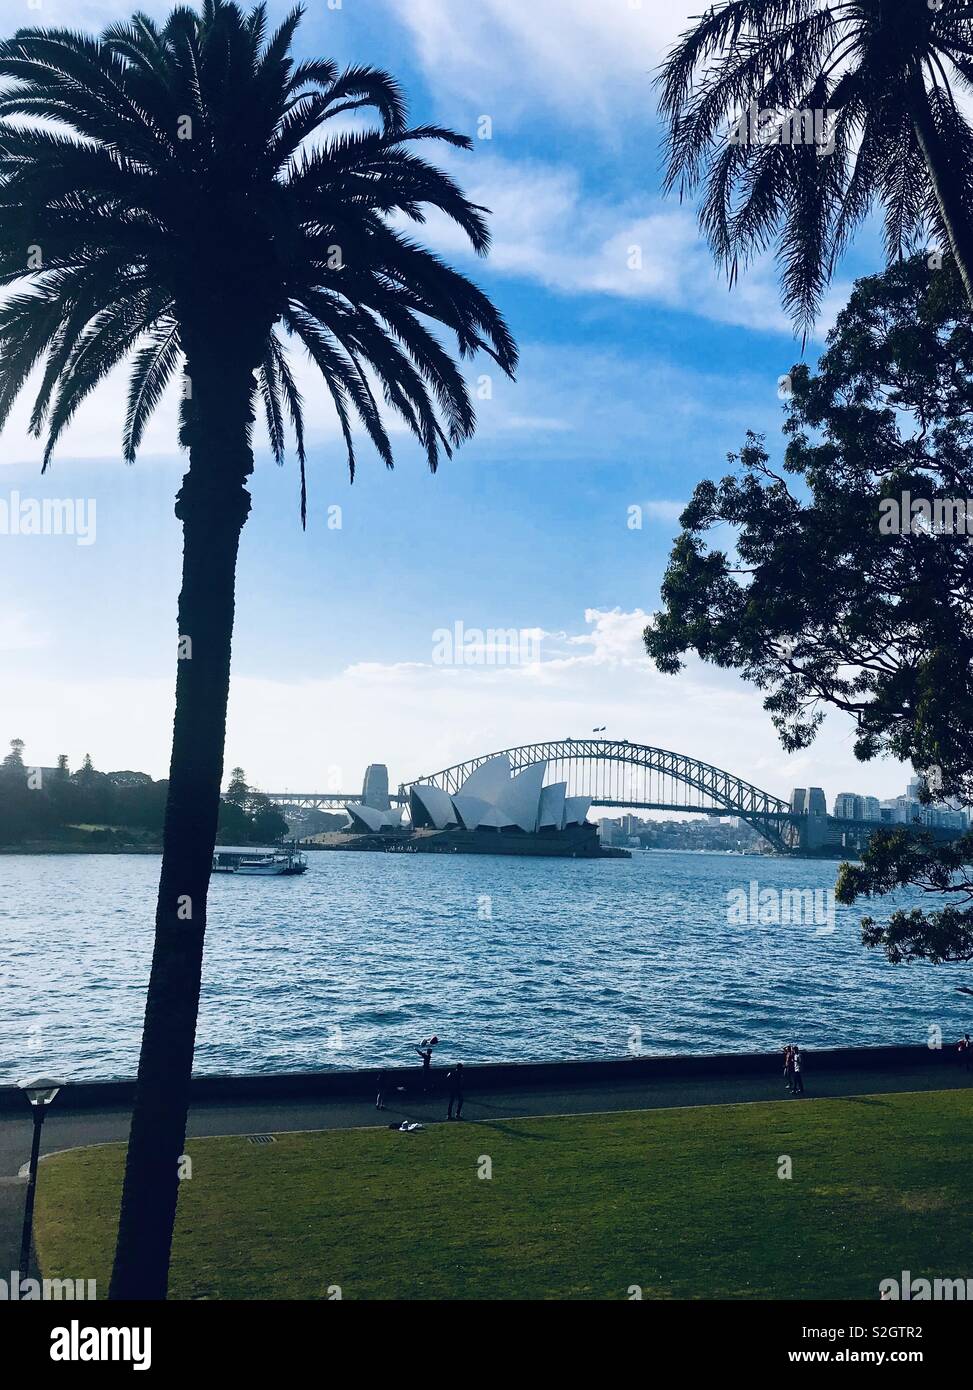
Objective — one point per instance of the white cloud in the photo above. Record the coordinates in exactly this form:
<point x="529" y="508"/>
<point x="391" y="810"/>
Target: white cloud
<point x="549" y="228"/>
<point x="591" y="61"/>
<point x="615" y="637"/>
<point x="664" y="511"/>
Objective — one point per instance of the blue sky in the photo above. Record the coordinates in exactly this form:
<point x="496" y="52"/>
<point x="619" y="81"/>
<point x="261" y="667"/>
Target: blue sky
<point x="635" y="383"/>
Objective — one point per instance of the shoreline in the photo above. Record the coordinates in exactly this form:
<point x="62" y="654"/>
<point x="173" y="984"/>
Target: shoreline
<point x="490" y="1076"/>
<point x="52" y="848"/>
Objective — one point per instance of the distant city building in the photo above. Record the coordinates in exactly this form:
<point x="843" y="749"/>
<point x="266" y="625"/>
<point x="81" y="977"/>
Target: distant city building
<point x="375" y="788"/>
<point x="909" y="810"/>
<point x="871" y="808"/>
<point x="848" y="806"/>
<point x="944" y="817"/>
<point x="610" y="831"/>
<point x="799" y="800"/>
<point x="816" y="802"/>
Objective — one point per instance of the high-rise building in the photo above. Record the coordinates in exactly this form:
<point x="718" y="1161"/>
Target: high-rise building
<point x="375" y="788"/>
<point x="909" y="810"/>
<point x="943" y="817"/>
<point x="852" y="806"/>
<point x="799" y="800"/>
<point x="817" y="804"/>
<point x="610" y="831"/>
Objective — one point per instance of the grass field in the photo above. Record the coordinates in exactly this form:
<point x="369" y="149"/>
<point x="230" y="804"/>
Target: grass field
<point x="683" y="1203"/>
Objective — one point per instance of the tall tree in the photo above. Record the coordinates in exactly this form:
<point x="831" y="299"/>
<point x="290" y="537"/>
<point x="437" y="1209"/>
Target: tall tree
<point x="238" y="791"/>
<point x="13" y="763"/>
<point x="198" y="194"/>
<point x="889" y="73"/>
<point x="840" y="590"/>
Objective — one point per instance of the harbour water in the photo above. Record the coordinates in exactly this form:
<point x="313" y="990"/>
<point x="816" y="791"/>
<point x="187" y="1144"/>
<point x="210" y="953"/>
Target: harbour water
<point x="505" y="959"/>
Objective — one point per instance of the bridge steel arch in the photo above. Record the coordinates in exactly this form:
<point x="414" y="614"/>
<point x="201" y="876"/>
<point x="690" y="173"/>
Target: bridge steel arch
<point x="615" y="772"/>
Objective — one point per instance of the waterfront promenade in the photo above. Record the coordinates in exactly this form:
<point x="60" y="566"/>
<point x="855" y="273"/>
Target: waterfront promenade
<point x="495" y="1094"/>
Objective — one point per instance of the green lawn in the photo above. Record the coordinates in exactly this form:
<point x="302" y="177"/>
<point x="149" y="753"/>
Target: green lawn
<point x="684" y="1203"/>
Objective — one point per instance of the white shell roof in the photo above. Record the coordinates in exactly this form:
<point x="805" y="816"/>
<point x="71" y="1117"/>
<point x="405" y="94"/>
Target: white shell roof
<point x="575" y="809"/>
<point x="437" y="805"/>
<point x="370" y="818"/>
<point x="493" y="798"/>
<point x="551" y="810"/>
<point x="488" y="780"/>
<point x="521" y="796"/>
<point x="471" y="809"/>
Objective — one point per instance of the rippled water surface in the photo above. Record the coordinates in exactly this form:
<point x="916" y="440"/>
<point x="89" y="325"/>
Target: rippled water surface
<point x="503" y="958"/>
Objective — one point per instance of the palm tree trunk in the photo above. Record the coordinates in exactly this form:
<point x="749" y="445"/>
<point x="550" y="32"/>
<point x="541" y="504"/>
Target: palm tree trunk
<point x="946" y="186"/>
<point x="212" y="504"/>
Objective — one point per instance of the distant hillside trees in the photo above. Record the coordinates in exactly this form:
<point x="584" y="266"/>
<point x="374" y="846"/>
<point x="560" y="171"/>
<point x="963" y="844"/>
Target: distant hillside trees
<point x="248" y="816"/>
<point x="115" y="808"/>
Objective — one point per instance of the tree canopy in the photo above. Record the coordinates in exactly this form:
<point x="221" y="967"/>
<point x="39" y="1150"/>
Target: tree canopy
<point x="821" y="606"/>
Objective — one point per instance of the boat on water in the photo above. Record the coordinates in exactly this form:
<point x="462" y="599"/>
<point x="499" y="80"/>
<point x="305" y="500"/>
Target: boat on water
<point x="272" y="864"/>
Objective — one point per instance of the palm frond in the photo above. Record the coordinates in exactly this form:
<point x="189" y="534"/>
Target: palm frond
<point x="855" y="58"/>
<point x="152" y="369"/>
<point x="156" y="143"/>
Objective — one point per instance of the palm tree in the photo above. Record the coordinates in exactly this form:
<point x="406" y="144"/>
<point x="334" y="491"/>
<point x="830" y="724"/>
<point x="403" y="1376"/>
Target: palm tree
<point x="888" y="71"/>
<point x="177" y="195"/>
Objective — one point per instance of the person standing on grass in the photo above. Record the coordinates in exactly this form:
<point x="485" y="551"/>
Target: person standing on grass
<point x="789" y="1067"/>
<point x="455" y="1079"/>
<point x="380" y="1092"/>
<point x="797" y="1069"/>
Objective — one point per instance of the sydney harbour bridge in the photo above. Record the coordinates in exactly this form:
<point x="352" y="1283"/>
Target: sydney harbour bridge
<point x="615" y="773"/>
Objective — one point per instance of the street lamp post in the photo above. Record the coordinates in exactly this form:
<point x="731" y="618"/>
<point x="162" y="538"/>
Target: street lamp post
<point x="40" y="1094"/>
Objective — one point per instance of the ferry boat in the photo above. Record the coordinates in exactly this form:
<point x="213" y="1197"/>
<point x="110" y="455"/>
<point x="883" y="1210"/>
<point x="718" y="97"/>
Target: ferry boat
<point x="273" y="864"/>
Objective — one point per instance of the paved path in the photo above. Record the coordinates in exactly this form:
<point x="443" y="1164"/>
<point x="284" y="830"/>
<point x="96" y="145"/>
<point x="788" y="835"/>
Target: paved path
<point x="77" y="1128"/>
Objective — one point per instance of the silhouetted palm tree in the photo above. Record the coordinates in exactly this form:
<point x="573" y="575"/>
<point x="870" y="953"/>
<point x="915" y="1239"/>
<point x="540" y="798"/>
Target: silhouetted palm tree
<point x="888" y="70"/>
<point x="187" y="204"/>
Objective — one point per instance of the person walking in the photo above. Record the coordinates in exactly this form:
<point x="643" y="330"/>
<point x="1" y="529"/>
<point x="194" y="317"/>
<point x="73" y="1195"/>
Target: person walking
<point x="455" y="1079"/>
<point x="380" y="1091"/>
<point x="425" y="1052"/>
<point x="789" y="1067"/>
<point x="797" y="1065"/>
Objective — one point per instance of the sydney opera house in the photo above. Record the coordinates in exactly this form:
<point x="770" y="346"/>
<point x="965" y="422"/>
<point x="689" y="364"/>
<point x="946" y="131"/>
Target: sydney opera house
<point x="495" y="811"/>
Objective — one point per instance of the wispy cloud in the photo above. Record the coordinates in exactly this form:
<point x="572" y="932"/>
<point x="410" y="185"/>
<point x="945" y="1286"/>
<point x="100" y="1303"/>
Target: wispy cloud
<point x="549" y="227"/>
<point x="591" y="63"/>
<point x="664" y="511"/>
